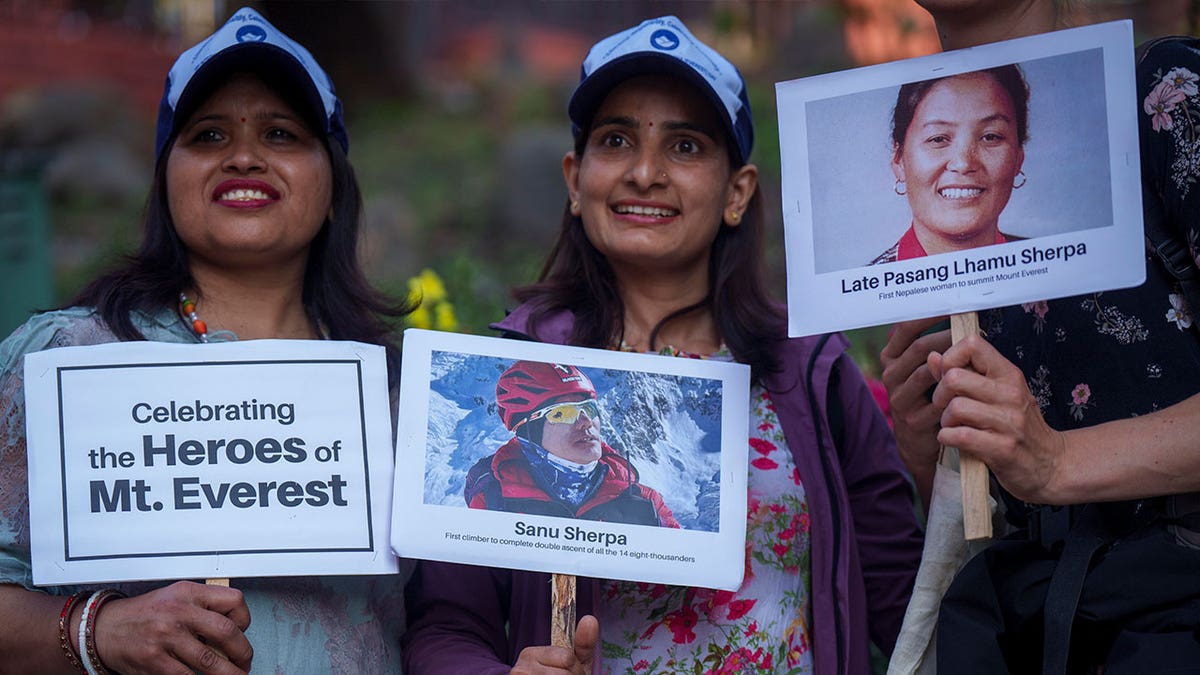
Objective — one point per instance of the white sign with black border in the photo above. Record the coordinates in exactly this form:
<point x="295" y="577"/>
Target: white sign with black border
<point x="152" y="460"/>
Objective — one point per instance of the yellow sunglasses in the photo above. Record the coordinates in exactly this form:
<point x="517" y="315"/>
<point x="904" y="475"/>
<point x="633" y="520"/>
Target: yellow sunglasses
<point x="567" y="413"/>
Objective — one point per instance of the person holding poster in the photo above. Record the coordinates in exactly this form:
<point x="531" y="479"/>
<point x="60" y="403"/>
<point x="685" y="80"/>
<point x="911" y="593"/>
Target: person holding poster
<point x="1086" y="410"/>
<point x="556" y="463"/>
<point x="660" y="250"/>
<point x="251" y="231"/>
<point x="957" y="149"/>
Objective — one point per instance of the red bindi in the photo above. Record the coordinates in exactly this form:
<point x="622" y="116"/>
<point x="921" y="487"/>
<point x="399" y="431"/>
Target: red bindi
<point x="243" y="120"/>
<point x="652" y="124"/>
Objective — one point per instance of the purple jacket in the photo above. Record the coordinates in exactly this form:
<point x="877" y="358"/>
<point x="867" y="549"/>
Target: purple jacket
<point x="866" y="543"/>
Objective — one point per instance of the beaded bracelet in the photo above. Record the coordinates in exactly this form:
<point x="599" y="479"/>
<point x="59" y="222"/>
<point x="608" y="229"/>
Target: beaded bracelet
<point x="87" y="631"/>
<point x="63" y="639"/>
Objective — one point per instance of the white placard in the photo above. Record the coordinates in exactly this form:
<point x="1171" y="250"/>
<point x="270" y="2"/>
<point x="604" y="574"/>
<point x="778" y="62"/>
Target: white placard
<point x="1074" y="223"/>
<point x="681" y="423"/>
<point x="150" y="460"/>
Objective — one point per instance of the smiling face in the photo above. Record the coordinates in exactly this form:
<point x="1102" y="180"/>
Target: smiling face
<point x="578" y="441"/>
<point x="960" y="156"/>
<point x="248" y="182"/>
<point x="654" y="182"/>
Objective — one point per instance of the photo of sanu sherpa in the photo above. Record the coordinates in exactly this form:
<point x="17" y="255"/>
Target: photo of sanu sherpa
<point x="556" y="439"/>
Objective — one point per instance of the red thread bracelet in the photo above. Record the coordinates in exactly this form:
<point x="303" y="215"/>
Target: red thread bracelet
<point x="63" y="639"/>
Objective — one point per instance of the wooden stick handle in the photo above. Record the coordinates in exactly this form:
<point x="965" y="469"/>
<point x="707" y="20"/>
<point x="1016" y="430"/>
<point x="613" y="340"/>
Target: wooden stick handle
<point x="217" y="581"/>
<point x="562" y="614"/>
<point x="977" y="518"/>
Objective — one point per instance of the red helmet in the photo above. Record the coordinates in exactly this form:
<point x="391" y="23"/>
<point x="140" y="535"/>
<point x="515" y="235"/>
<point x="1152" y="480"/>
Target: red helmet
<point x="529" y="385"/>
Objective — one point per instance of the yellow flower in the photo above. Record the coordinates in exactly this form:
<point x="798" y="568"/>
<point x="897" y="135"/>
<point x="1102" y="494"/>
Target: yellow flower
<point x="434" y="309"/>
<point x="444" y="318"/>
<point x="420" y="317"/>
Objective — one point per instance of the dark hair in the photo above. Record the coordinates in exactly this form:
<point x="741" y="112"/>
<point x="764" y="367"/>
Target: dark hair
<point x="336" y="293"/>
<point x="1009" y="77"/>
<point x="578" y="278"/>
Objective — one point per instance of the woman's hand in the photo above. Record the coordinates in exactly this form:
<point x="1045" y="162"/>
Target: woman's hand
<point x="558" y="660"/>
<point x="990" y="413"/>
<point x="180" y="628"/>
<point x="908" y="380"/>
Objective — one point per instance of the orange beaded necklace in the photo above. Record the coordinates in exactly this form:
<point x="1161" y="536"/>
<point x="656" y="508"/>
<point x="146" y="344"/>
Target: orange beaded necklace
<point x="188" y="309"/>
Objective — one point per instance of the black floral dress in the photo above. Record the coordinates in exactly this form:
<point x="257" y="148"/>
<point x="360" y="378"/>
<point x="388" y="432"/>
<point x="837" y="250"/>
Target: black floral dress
<point x="1091" y="359"/>
<point x="1104" y="356"/>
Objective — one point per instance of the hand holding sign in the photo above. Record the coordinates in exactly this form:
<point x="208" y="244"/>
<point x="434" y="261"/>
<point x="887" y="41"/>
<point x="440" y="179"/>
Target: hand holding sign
<point x="574" y="660"/>
<point x="990" y="413"/>
<point x="184" y="623"/>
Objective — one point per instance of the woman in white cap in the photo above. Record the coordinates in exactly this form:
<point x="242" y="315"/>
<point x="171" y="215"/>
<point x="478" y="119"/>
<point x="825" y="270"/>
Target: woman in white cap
<point x="661" y="251"/>
<point x="250" y="232"/>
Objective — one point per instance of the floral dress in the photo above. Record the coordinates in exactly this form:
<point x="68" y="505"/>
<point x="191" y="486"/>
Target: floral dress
<point x="1095" y="358"/>
<point x="764" y="626"/>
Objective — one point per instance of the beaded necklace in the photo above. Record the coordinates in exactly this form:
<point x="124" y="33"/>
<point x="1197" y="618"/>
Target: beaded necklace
<point x="188" y="309"/>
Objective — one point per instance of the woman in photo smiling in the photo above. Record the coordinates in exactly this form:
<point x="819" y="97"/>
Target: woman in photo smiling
<point x="957" y="150"/>
<point x="250" y="231"/>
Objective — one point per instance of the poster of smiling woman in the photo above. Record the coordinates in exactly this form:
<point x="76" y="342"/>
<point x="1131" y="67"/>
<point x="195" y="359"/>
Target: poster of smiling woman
<point x="960" y="181"/>
<point x="571" y="460"/>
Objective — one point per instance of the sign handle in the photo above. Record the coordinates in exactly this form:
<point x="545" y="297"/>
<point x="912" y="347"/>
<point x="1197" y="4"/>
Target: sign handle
<point x="217" y="581"/>
<point x="977" y="519"/>
<point x="562" y="611"/>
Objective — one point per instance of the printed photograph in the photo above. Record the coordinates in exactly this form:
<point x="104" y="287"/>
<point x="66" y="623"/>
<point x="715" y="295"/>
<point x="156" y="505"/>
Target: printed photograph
<point x="991" y="156"/>
<point x="557" y="439"/>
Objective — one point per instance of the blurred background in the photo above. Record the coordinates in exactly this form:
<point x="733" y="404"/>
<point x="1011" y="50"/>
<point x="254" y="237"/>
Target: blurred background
<point x="456" y="115"/>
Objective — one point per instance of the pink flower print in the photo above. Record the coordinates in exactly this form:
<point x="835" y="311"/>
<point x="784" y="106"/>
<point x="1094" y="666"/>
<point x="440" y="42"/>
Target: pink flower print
<point x="785" y="535"/>
<point x="681" y="624"/>
<point x="778" y="508"/>
<point x="765" y="464"/>
<point x="1039" y="308"/>
<point x="1081" y="399"/>
<point x="802" y="522"/>
<point x="1159" y="104"/>
<point x="751" y="629"/>
<point x="739" y="608"/>
<point x="641" y="665"/>
<point x="646" y="634"/>
<point x="762" y="446"/>
<point x="766" y="426"/>
<point x="780" y="550"/>
<point x="766" y="662"/>
<point x="736" y="662"/>
<point x="1183" y="79"/>
<point x="796" y="476"/>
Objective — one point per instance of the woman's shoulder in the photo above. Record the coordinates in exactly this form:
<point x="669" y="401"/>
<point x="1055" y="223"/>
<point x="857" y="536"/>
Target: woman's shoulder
<point x="1169" y="51"/>
<point x="58" y="328"/>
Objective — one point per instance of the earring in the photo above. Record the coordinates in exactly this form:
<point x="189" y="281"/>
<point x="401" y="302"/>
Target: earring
<point x="735" y="216"/>
<point x="574" y="208"/>
<point x="897" y="188"/>
<point x="1021" y="175"/>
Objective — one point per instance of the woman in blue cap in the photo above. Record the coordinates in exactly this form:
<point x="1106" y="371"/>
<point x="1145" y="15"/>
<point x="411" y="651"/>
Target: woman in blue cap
<point x="250" y="232"/>
<point x="661" y="251"/>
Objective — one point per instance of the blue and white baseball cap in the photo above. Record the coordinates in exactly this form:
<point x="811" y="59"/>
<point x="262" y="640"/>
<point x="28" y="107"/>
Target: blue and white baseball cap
<point x="247" y="42"/>
<point x="664" y="46"/>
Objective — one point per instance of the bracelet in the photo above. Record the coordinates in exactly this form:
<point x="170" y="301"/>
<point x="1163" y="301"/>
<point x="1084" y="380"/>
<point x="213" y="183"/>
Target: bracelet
<point x="63" y="639"/>
<point x="87" y="631"/>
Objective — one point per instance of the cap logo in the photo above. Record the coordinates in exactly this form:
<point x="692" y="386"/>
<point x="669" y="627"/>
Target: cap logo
<point x="251" y="34"/>
<point x="664" y="40"/>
